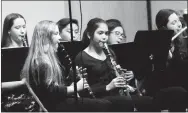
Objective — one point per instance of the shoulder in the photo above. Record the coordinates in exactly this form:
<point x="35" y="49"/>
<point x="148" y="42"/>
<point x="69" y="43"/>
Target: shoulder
<point x="80" y="55"/>
<point x="83" y="56"/>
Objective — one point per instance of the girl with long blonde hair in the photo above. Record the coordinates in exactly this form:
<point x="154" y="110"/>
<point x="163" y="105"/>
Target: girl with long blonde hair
<point x="45" y="74"/>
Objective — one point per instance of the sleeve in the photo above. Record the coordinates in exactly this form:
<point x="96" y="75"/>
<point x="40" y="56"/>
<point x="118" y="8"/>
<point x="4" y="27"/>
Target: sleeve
<point x="78" y="60"/>
<point x="99" y="90"/>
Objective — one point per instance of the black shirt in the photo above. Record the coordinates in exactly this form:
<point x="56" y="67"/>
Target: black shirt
<point x="51" y="95"/>
<point x="99" y="72"/>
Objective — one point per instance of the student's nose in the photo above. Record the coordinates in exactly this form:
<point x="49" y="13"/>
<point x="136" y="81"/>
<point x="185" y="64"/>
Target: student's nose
<point x="74" y="36"/>
<point x="22" y="30"/>
<point x="121" y="37"/>
<point x="58" y="38"/>
<point x="104" y="37"/>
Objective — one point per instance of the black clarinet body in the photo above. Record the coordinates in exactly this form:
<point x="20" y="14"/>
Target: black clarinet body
<point x="61" y="48"/>
<point x="117" y="69"/>
<point x="24" y="42"/>
<point x="90" y="91"/>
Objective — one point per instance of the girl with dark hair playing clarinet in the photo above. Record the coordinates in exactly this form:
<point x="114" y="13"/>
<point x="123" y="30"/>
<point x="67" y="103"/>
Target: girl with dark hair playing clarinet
<point x="103" y="80"/>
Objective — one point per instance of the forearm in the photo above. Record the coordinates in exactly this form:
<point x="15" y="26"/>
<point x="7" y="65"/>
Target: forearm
<point x="99" y="89"/>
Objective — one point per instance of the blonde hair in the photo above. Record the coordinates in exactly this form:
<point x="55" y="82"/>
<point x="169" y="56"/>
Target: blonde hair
<point x="42" y="50"/>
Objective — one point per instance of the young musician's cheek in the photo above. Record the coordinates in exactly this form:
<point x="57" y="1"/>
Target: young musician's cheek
<point x="14" y="33"/>
<point x="25" y="31"/>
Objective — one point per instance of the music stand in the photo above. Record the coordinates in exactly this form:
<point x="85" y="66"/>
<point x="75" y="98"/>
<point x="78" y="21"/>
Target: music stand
<point x="130" y="57"/>
<point x="156" y="44"/>
<point x="185" y="17"/>
<point x="12" y="61"/>
<point x="72" y="48"/>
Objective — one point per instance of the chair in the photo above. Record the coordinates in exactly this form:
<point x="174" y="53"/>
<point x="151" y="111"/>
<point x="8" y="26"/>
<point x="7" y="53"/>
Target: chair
<point x="17" y="84"/>
<point x="42" y="108"/>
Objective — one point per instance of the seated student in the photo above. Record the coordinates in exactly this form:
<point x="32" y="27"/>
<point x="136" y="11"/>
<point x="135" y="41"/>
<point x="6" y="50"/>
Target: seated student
<point x="44" y="73"/>
<point x="116" y="32"/>
<point x="178" y="54"/>
<point x="14" y="31"/>
<point x="65" y="34"/>
<point x="170" y="93"/>
<point x="15" y="36"/>
<point x="65" y="31"/>
<point x="104" y="82"/>
<point x="117" y="36"/>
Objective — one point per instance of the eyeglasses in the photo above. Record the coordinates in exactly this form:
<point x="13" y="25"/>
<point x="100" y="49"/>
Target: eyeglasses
<point x="117" y="33"/>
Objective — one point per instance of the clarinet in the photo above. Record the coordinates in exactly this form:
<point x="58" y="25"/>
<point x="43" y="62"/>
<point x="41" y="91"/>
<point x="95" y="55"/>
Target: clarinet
<point x="90" y="91"/>
<point x="24" y="41"/>
<point x="67" y="57"/>
<point x="116" y="69"/>
<point x="62" y="49"/>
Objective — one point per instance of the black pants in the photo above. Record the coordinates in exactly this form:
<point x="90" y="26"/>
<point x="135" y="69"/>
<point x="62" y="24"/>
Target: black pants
<point x="166" y="93"/>
<point x="127" y="104"/>
<point x="144" y="104"/>
<point x="173" y="98"/>
<point x="84" y="105"/>
<point x="120" y="103"/>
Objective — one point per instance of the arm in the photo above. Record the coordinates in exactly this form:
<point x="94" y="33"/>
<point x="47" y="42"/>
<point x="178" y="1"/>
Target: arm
<point x="57" y="90"/>
<point x="40" y="82"/>
<point x="81" y="84"/>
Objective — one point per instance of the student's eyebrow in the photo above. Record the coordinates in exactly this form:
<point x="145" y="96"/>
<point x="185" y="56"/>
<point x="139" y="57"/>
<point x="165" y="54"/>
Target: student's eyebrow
<point x="18" y="26"/>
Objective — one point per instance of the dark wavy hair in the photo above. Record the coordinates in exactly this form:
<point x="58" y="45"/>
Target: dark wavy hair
<point x="113" y="23"/>
<point x="161" y="19"/>
<point x="64" y="22"/>
<point x="92" y="25"/>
